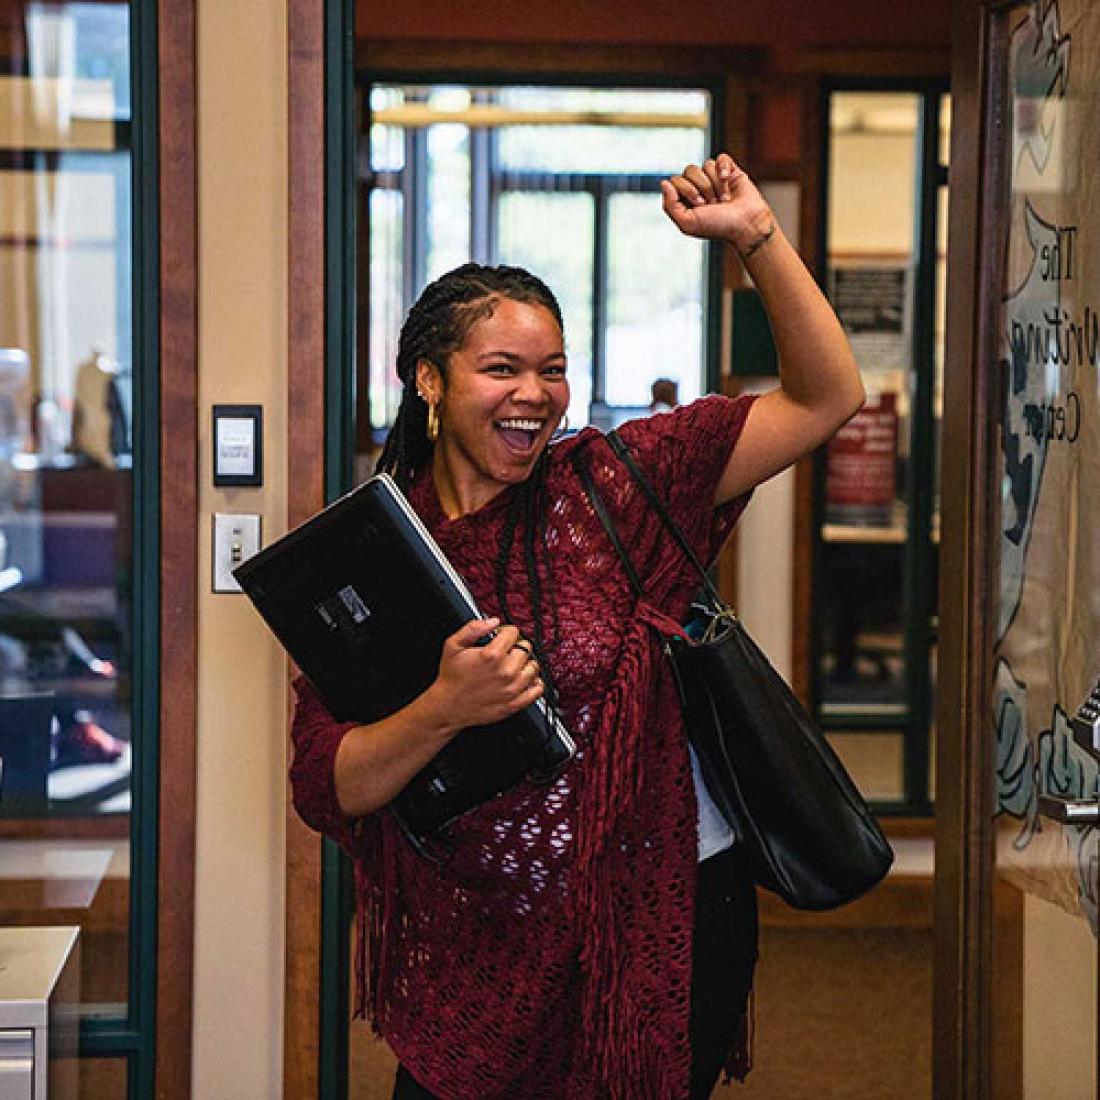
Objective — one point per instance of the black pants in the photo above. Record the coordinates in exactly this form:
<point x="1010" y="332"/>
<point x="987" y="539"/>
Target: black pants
<point x="723" y="957"/>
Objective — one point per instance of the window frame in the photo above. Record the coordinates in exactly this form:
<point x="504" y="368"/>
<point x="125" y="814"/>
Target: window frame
<point x="919" y="554"/>
<point x="490" y="180"/>
<point x="488" y="176"/>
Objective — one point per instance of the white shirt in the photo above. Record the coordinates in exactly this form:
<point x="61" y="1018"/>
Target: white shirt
<point x="715" y="834"/>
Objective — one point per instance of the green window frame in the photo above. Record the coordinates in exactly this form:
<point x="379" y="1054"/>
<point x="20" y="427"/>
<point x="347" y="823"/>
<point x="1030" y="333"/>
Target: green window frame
<point x="129" y="1036"/>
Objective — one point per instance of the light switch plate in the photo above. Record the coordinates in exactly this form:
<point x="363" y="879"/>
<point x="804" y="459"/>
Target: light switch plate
<point x="236" y="538"/>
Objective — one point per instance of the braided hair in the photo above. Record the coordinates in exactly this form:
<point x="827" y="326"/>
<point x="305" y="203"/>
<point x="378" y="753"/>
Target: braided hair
<point x="437" y="326"/>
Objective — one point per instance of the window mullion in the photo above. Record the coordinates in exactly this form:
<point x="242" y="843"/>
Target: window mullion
<point x="601" y="278"/>
<point x="483" y="168"/>
<point x="414" y="188"/>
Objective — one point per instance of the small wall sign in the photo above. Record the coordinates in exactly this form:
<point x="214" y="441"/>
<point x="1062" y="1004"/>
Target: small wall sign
<point x="238" y="445"/>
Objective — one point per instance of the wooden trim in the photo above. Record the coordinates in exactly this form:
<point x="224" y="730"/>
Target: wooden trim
<point x="179" y="544"/>
<point x="732" y="133"/>
<point x="1006" y="1052"/>
<point x="961" y="963"/>
<point x="97" y="827"/>
<point x="892" y="62"/>
<point x="767" y="168"/>
<point x="430" y="58"/>
<point x="908" y="828"/>
<point x="305" y="494"/>
<point x="898" y="902"/>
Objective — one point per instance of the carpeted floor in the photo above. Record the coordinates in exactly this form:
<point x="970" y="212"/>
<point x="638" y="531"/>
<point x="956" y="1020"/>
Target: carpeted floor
<point x="841" y="1014"/>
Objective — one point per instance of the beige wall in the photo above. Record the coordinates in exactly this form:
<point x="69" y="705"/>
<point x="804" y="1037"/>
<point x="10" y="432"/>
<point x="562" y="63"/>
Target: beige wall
<point x="242" y="358"/>
<point x="1061" y="1002"/>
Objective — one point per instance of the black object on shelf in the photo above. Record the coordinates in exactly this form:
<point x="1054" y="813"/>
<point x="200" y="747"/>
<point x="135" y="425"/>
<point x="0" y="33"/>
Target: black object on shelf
<point x="24" y="753"/>
<point x="753" y="347"/>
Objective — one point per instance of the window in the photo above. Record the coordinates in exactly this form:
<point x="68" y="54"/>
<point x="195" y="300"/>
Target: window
<point x="77" y="657"/>
<point x="563" y="181"/>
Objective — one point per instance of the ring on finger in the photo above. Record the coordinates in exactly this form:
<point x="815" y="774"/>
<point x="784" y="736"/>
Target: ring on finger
<point x="522" y="643"/>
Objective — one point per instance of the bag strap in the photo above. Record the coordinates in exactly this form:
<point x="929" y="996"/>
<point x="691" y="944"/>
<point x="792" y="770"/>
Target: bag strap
<point x="623" y="453"/>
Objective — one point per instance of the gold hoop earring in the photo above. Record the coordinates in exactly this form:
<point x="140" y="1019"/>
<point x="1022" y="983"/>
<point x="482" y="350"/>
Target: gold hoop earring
<point x="433" y="423"/>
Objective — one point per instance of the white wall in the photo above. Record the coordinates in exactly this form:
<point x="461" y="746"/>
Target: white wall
<point x="239" y="945"/>
<point x="764" y="569"/>
<point x="766" y="531"/>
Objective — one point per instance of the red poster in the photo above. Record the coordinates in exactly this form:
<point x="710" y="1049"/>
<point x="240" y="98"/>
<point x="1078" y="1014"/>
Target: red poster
<point x="861" y="464"/>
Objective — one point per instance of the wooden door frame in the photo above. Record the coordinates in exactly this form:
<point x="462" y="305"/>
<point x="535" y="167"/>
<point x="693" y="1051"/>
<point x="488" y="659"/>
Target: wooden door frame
<point x="305" y="495"/>
<point x="179" y="541"/>
<point x="959" y="835"/>
<point x="963" y="970"/>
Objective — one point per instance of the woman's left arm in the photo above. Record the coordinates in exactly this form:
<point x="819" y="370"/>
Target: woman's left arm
<point x="819" y="383"/>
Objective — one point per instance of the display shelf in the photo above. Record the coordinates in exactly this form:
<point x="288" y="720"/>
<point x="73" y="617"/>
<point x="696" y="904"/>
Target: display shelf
<point x="867" y="535"/>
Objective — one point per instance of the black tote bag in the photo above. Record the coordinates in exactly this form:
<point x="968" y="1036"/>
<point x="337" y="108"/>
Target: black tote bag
<point x="805" y="829"/>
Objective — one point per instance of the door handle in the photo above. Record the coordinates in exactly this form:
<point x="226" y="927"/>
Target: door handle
<point x="1070" y="811"/>
<point x="1085" y="730"/>
<point x="1085" y="725"/>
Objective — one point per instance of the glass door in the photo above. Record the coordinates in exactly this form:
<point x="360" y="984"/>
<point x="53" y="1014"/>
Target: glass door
<point x="77" y="655"/>
<point x="1045" y="690"/>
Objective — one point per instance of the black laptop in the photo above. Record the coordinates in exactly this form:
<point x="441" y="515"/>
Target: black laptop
<point x="362" y="599"/>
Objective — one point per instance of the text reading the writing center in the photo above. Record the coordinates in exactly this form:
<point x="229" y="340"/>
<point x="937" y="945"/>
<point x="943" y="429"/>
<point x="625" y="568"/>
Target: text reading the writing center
<point x="1060" y="337"/>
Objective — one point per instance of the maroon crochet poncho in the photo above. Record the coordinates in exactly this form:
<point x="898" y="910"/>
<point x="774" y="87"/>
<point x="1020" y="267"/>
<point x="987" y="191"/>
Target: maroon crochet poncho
<point x="550" y="957"/>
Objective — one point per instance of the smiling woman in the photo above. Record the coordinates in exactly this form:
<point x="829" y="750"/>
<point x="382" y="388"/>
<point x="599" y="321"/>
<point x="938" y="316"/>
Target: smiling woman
<point x="603" y="924"/>
<point x="500" y="398"/>
<point x="492" y="329"/>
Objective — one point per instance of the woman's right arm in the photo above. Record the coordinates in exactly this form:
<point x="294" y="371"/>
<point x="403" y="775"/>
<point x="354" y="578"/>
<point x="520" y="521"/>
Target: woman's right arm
<point x="478" y="683"/>
<point x="820" y="387"/>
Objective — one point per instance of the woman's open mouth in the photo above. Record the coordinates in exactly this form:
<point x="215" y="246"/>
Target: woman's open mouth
<point x="519" y="433"/>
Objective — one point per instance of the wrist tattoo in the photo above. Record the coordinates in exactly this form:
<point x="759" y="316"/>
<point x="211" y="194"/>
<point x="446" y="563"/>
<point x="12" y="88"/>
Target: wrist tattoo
<point x="759" y="242"/>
